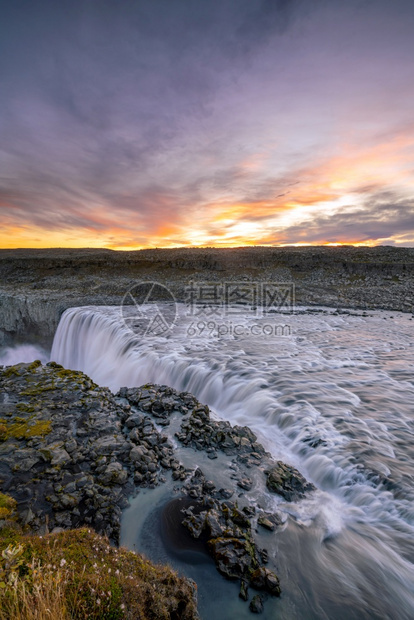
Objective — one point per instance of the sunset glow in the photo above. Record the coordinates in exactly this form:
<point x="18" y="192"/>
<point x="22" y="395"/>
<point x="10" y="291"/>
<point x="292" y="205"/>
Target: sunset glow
<point x="272" y="132"/>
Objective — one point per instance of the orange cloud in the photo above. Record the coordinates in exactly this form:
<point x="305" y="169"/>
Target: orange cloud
<point x="295" y="200"/>
<point x="344" y="179"/>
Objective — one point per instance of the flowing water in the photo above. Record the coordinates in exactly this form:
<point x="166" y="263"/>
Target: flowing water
<point x="333" y="396"/>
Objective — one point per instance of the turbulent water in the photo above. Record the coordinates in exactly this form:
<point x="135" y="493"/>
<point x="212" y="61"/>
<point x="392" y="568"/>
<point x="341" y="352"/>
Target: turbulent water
<point x="22" y="353"/>
<point x="335" y="398"/>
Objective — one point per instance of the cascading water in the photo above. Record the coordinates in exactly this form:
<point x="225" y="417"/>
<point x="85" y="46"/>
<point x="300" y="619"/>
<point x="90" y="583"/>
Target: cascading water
<point x="335" y="399"/>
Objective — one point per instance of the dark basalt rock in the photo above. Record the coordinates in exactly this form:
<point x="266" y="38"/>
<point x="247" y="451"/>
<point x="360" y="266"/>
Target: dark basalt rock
<point x="244" y="592"/>
<point x="221" y="527"/>
<point x="233" y="556"/>
<point x="256" y="604"/>
<point x="202" y="433"/>
<point x="175" y="536"/>
<point x="229" y="539"/>
<point x="38" y="285"/>
<point x="195" y="523"/>
<point x="263" y="579"/>
<point x="287" y="482"/>
<point x="71" y="453"/>
<point x="269" y="521"/>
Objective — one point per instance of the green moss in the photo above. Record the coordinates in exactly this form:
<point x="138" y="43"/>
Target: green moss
<point x="34" y="365"/>
<point x="19" y="420"/>
<point x="39" y="429"/>
<point x="71" y="374"/>
<point x="251" y="549"/>
<point x="23" y="428"/>
<point x="10" y="534"/>
<point x="74" y="375"/>
<point x="11" y="371"/>
<point x="25" y="407"/>
<point x="7" y="502"/>
<point x="7" y="506"/>
<point x="39" y="388"/>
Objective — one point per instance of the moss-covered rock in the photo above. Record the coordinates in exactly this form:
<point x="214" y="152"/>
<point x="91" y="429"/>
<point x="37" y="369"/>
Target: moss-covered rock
<point x="71" y="453"/>
<point x="233" y="556"/>
<point x="288" y="482"/>
<point x="264" y="579"/>
<point x="8" y="507"/>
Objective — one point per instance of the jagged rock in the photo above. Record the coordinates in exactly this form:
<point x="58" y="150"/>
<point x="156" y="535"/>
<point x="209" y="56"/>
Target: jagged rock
<point x="32" y="304"/>
<point x="227" y="530"/>
<point x="287" y="482"/>
<point x="195" y="523"/>
<point x="135" y="419"/>
<point x="266" y="523"/>
<point x="202" y="433"/>
<point x="69" y="500"/>
<point x="264" y="555"/>
<point x="269" y="521"/>
<point x="245" y="483"/>
<point x="212" y="521"/>
<point x="264" y="579"/>
<point x="56" y="422"/>
<point x="233" y="557"/>
<point x="60" y="457"/>
<point x="238" y="517"/>
<point x="26" y="463"/>
<point x="256" y="604"/>
<point x="114" y="474"/>
<point x="108" y="445"/>
<point x="244" y="593"/>
<point x="249" y="510"/>
<point x="90" y="448"/>
<point x="137" y="454"/>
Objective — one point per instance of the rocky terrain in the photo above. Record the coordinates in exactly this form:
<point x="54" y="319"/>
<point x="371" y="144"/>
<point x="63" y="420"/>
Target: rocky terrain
<point x="72" y="453"/>
<point x="36" y="286"/>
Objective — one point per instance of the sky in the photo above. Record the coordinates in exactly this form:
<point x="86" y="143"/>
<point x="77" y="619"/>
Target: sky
<point x="128" y="124"/>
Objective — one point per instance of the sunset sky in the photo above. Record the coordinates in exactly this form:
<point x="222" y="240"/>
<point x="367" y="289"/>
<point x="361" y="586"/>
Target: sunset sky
<point x="160" y="123"/>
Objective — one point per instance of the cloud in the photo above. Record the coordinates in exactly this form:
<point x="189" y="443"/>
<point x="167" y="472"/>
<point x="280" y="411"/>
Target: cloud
<point x="381" y="217"/>
<point x="192" y="120"/>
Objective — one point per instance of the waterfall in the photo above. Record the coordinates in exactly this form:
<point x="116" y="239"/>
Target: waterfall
<point x="333" y="400"/>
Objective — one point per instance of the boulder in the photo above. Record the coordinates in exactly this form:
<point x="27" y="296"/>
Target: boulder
<point x="234" y="557"/>
<point x="264" y="579"/>
<point x="256" y="604"/>
<point x="288" y="482"/>
<point x="114" y="474"/>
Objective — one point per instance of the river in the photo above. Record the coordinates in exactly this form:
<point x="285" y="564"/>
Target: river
<point x="330" y="393"/>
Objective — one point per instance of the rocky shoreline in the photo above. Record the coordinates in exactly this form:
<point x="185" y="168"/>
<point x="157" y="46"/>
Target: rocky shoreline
<point x="72" y="453"/>
<point x="37" y="286"/>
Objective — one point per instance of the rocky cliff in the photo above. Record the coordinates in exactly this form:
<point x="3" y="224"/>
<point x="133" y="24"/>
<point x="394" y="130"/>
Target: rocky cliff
<point x="73" y="453"/>
<point x="36" y="286"/>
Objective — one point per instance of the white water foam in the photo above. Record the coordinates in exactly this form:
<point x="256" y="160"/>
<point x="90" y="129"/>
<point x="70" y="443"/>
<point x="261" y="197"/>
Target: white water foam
<point x="22" y="353"/>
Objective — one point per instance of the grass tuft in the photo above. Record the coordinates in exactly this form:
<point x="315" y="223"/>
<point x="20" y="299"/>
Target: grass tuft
<point x="77" y="574"/>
